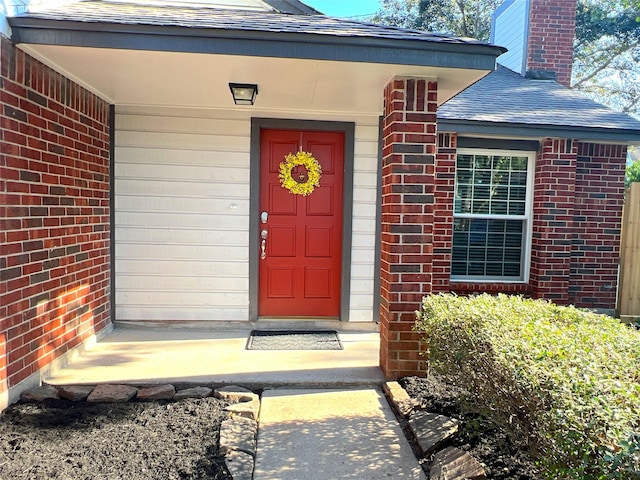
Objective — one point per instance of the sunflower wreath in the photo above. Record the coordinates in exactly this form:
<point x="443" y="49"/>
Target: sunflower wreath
<point x="314" y="171"/>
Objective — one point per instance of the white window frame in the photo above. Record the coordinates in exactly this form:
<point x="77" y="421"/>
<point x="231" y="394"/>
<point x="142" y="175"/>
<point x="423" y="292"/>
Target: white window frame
<point x="526" y="218"/>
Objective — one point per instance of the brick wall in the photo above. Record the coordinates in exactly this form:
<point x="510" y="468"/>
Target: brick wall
<point x="597" y="220"/>
<point x="550" y="37"/>
<point x="445" y="177"/>
<point x="409" y="147"/>
<point x="576" y="219"/>
<point x="445" y="180"/>
<point x="577" y="210"/>
<point x="54" y="214"/>
<point x="552" y="221"/>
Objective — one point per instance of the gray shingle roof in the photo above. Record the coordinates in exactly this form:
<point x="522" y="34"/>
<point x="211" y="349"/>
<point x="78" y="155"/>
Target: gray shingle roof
<point x="100" y="11"/>
<point x="505" y="97"/>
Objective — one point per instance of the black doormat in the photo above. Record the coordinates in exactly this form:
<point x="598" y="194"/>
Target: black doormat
<point x="294" y="340"/>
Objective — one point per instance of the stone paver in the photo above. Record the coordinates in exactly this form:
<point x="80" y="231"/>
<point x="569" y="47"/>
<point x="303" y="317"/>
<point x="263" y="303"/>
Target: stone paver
<point x="75" y="393"/>
<point x="455" y="464"/>
<point x="40" y="394"/>
<point x="112" y="394"/>
<point x="348" y="433"/>
<point x="239" y="464"/>
<point x="157" y="392"/>
<point x="248" y="409"/>
<point x="431" y="430"/>
<point x="399" y="398"/>
<point x="193" y="392"/>
<point x="234" y="394"/>
<point x="240" y="434"/>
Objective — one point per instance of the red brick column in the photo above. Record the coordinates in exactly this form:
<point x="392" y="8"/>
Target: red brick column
<point x="597" y="221"/>
<point x="409" y="148"/>
<point x="54" y="215"/>
<point x="553" y="205"/>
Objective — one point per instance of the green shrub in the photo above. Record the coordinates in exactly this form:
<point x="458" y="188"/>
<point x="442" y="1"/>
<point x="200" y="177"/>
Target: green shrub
<point x="565" y="382"/>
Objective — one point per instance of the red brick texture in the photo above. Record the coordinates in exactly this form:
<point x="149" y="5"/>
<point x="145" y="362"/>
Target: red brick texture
<point x="599" y="198"/>
<point x="577" y="215"/>
<point x="576" y="219"/>
<point x="408" y="180"/>
<point x="552" y="224"/>
<point x="445" y="180"/>
<point x="54" y="215"/>
<point x="551" y="31"/>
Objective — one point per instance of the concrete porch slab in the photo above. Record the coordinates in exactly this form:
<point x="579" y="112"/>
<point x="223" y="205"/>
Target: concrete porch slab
<point x="184" y="356"/>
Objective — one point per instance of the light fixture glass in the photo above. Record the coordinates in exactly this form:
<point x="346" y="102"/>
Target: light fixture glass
<point x="243" y="93"/>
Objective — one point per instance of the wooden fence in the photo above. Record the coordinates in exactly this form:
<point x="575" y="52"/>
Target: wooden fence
<point x="628" y="307"/>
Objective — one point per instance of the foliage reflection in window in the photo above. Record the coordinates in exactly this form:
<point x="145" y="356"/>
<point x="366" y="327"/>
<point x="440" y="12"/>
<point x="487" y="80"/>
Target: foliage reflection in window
<point x="490" y="216"/>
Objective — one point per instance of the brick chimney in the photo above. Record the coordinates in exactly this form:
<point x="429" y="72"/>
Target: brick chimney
<point x="539" y="35"/>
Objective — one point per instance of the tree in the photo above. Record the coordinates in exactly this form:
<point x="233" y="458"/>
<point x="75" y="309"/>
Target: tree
<point x="401" y="13"/>
<point x="607" y="53"/>
<point x="464" y="18"/>
<point x="632" y="173"/>
<point x="607" y="46"/>
<point x="632" y="3"/>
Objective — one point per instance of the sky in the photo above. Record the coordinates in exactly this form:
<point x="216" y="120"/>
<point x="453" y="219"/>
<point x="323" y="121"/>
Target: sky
<point x="345" y="8"/>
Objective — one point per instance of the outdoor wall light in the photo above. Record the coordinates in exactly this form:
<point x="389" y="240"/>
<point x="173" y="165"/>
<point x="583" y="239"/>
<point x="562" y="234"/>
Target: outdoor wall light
<point x="243" y="93"/>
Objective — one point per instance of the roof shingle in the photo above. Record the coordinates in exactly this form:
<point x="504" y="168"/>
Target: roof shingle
<point x="100" y="11"/>
<point x="505" y="97"/>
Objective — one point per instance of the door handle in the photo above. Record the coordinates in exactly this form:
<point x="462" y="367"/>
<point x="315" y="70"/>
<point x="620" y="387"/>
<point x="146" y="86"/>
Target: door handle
<point x="263" y="244"/>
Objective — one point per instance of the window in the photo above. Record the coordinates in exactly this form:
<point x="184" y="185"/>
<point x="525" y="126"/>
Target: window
<point x="491" y="224"/>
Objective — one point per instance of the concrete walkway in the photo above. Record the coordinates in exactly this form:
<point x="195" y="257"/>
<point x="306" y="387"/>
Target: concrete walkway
<point x="320" y="434"/>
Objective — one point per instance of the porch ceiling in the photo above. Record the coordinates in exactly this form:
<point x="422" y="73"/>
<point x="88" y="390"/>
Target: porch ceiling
<point x="159" y="78"/>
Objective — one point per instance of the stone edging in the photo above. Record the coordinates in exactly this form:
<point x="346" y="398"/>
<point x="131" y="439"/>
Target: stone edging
<point x="431" y="433"/>
<point x="238" y="433"/>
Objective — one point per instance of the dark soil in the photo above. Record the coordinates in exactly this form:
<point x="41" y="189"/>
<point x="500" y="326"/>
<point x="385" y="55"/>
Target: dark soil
<point x="485" y="441"/>
<point x="133" y="441"/>
<point x="180" y="439"/>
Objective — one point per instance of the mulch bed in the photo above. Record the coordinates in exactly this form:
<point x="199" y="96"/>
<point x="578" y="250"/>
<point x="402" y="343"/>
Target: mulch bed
<point x="490" y="445"/>
<point x="59" y="439"/>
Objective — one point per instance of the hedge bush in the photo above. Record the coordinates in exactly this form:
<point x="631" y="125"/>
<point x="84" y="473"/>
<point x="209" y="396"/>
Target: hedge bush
<point x="563" y="381"/>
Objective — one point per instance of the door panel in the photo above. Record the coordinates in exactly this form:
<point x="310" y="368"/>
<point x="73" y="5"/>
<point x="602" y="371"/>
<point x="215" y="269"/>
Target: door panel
<point x="300" y="274"/>
<point x="318" y="241"/>
<point x="322" y="203"/>
<point x="282" y="241"/>
<point x="317" y="282"/>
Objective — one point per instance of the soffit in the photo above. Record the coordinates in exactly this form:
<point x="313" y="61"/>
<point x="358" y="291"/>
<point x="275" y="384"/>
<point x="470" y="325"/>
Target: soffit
<point x="174" y="55"/>
<point x="157" y="78"/>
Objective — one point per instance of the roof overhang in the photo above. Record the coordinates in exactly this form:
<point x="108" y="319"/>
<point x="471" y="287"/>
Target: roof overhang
<point x="141" y="64"/>
<point x="528" y="131"/>
<point x="28" y="30"/>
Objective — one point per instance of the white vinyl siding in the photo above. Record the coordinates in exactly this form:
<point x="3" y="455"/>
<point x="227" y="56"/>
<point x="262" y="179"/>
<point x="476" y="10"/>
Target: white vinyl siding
<point x="182" y="214"/>
<point x="364" y="221"/>
<point x="510" y="31"/>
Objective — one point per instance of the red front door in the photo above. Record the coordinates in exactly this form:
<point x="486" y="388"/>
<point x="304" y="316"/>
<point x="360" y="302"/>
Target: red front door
<point x="300" y="270"/>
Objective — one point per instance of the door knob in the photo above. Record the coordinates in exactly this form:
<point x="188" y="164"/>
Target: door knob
<point x="263" y="244"/>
